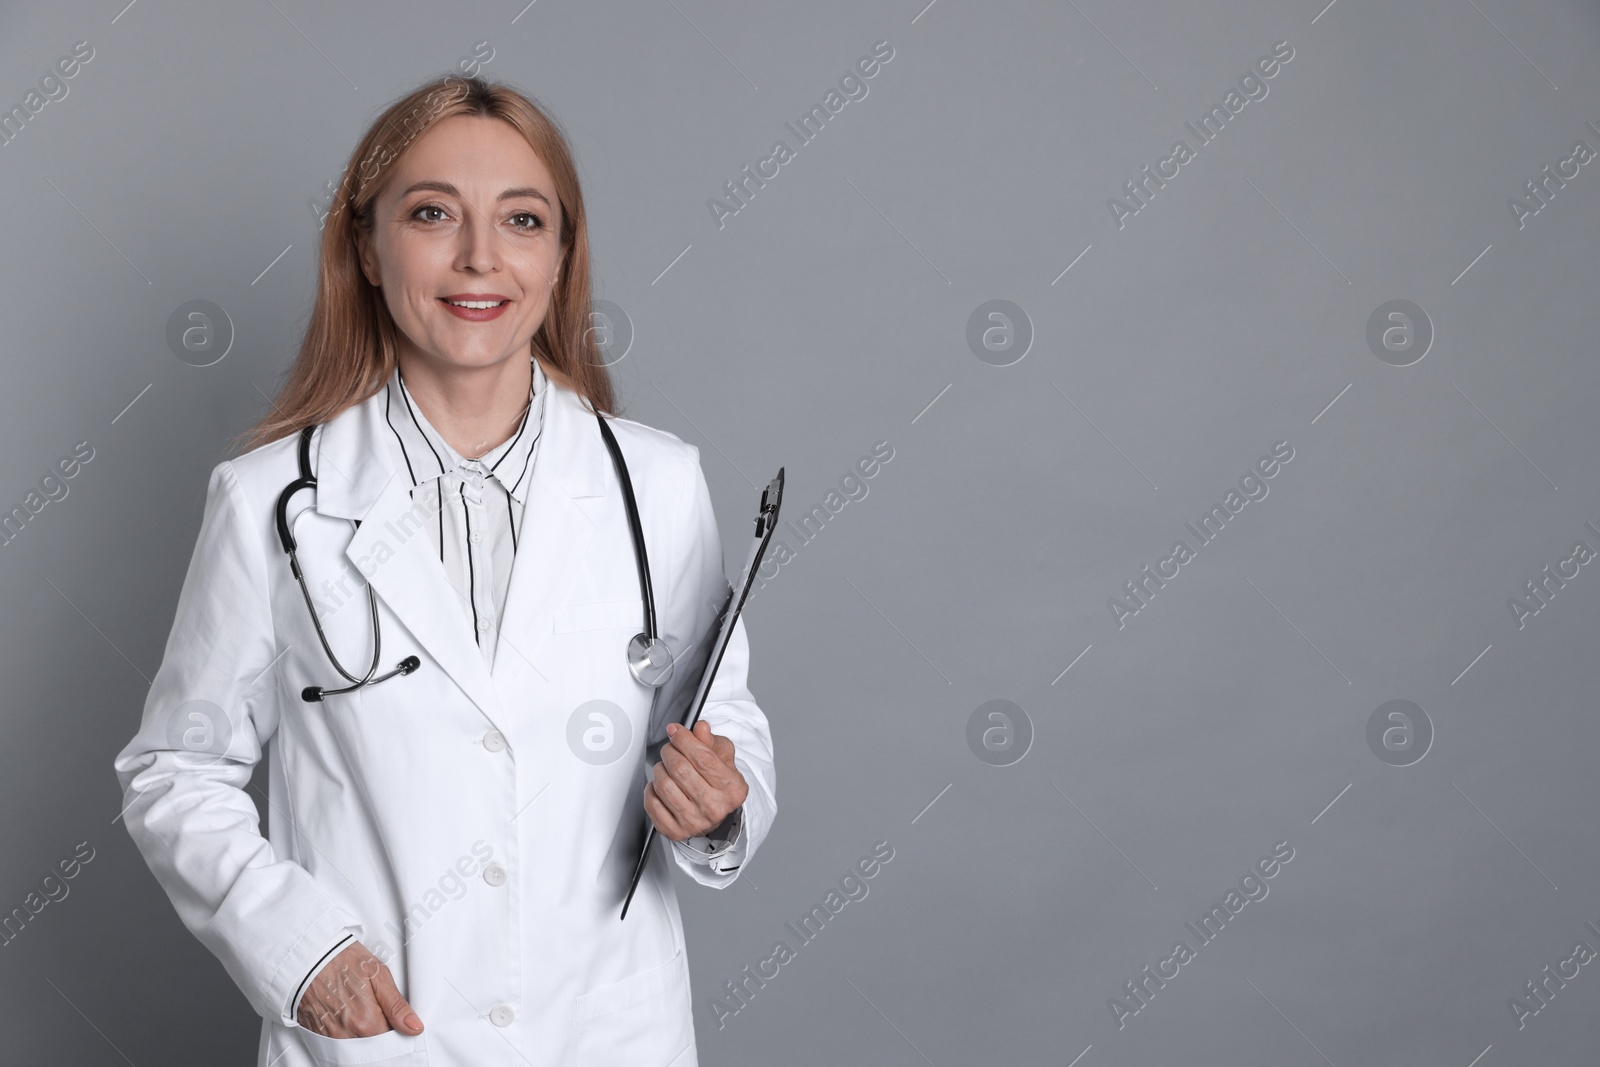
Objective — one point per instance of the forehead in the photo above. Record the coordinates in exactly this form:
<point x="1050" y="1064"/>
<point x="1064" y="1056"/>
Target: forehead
<point x="473" y="153"/>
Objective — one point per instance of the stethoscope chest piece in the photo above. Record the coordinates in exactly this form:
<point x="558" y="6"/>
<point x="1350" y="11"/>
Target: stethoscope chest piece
<point x="650" y="660"/>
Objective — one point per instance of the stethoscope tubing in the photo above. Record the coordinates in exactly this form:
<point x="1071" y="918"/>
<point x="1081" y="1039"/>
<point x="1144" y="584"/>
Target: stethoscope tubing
<point x="646" y="589"/>
<point x="649" y="658"/>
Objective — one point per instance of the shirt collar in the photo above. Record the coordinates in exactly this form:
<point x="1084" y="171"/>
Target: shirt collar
<point x="424" y="455"/>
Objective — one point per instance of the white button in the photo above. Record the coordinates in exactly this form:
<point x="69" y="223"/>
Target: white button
<point x="494" y="741"/>
<point x="483" y="624"/>
<point x="495" y="874"/>
<point x="501" y="1015"/>
<point x="476" y="537"/>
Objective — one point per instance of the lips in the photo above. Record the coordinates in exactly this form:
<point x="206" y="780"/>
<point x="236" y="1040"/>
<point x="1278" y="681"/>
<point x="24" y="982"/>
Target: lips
<point x="476" y="307"/>
<point x="475" y="300"/>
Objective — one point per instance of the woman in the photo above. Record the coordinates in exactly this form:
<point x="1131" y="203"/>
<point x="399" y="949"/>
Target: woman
<point x="449" y="845"/>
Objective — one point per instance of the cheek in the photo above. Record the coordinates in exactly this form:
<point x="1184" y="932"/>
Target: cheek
<point x="541" y="272"/>
<point x="422" y="273"/>
<point x="535" y="281"/>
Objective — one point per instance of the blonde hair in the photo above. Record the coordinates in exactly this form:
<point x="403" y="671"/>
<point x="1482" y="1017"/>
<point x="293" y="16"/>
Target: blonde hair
<point x="349" y="348"/>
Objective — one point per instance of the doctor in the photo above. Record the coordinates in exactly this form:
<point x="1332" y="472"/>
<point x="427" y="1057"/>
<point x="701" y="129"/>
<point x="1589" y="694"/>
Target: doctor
<point x="456" y="796"/>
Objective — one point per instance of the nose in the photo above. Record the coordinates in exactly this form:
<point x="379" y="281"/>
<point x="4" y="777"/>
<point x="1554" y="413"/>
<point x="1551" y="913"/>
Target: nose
<point x="482" y="246"/>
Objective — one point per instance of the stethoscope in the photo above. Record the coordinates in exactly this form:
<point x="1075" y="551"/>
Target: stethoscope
<point x="649" y="658"/>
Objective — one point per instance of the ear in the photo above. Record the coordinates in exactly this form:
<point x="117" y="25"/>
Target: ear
<point x="368" y="260"/>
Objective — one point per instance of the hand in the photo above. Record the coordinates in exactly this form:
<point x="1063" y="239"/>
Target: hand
<point x="355" y="996"/>
<point x="696" y="785"/>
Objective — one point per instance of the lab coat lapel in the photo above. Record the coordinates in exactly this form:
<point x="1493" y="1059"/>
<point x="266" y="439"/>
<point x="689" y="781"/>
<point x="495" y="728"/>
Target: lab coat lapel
<point x="392" y="550"/>
<point x="553" y="543"/>
<point x="357" y="479"/>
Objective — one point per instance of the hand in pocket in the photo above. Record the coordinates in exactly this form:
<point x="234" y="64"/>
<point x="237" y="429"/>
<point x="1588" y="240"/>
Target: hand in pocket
<point x="355" y="996"/>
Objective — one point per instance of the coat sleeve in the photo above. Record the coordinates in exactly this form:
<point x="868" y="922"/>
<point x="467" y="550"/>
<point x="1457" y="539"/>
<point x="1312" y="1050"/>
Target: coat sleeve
<point x="730" y="708"/>
<point x="211" y="708"/>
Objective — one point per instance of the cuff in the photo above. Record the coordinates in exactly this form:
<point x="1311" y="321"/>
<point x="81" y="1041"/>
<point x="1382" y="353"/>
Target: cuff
<point x="721" y="848"/>
<point x="305" y="983"/>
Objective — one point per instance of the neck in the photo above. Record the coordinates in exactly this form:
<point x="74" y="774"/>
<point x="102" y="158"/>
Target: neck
<point x="473" y="408"/>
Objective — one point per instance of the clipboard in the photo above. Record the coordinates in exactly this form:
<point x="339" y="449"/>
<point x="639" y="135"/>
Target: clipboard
<point x="766" y="521"/>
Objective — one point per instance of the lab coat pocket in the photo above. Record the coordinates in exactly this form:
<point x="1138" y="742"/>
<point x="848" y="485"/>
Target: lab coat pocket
<point x="388" y="1049"/>
<point x="640" y="1021"/>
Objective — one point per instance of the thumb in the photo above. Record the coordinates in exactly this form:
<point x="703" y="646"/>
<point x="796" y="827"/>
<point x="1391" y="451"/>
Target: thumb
<point x="395" y="1006"/>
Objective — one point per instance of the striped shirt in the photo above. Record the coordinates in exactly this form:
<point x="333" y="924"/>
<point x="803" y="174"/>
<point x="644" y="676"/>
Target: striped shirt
<point x="481" y="518"/>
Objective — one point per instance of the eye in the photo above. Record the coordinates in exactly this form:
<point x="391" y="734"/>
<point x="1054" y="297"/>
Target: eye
<point x="427" y="207"/>
<point x="534" y="223"/>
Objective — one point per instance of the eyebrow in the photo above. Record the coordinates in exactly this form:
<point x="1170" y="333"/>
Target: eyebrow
<point x="451" y="190"/>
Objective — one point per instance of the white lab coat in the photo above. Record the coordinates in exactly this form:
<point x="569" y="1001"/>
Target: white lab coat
<point x="452" y="796"/>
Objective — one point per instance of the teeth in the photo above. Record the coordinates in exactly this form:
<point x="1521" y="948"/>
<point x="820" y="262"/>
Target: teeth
<point x="479" y="304"/>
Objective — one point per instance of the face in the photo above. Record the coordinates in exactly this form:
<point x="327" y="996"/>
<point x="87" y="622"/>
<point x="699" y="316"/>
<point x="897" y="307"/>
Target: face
<point x="468" y="215"/>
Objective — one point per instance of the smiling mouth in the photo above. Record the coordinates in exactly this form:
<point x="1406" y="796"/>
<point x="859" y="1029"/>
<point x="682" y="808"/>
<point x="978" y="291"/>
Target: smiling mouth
<point x="477" y="305"/>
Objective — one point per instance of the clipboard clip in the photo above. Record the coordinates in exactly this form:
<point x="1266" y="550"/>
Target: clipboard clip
<point x="767" y="515"/>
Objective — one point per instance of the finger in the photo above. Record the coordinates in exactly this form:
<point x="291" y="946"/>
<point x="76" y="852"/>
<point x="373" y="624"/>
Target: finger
<point x="342" y="1003"/>
<point x="684" y="807"/>
<point x="666" y="823"/>
<point x="727" y="781"/>
<point x="394" y="1006"/>
<point x="721" y="750"/>
<point x="710" y="742"/>
<point x="695" y="745"/>
<point x="709" y="753"/>
<point x="326" y="997"/>
<point x="685" y="775"/>
<point x="690" y="813"/>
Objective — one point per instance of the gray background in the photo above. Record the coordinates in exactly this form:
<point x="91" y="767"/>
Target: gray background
<point x="831" y="313"/>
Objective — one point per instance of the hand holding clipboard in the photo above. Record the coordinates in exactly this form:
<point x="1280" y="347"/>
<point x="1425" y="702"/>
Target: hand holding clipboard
<point x="766" y="522"/>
